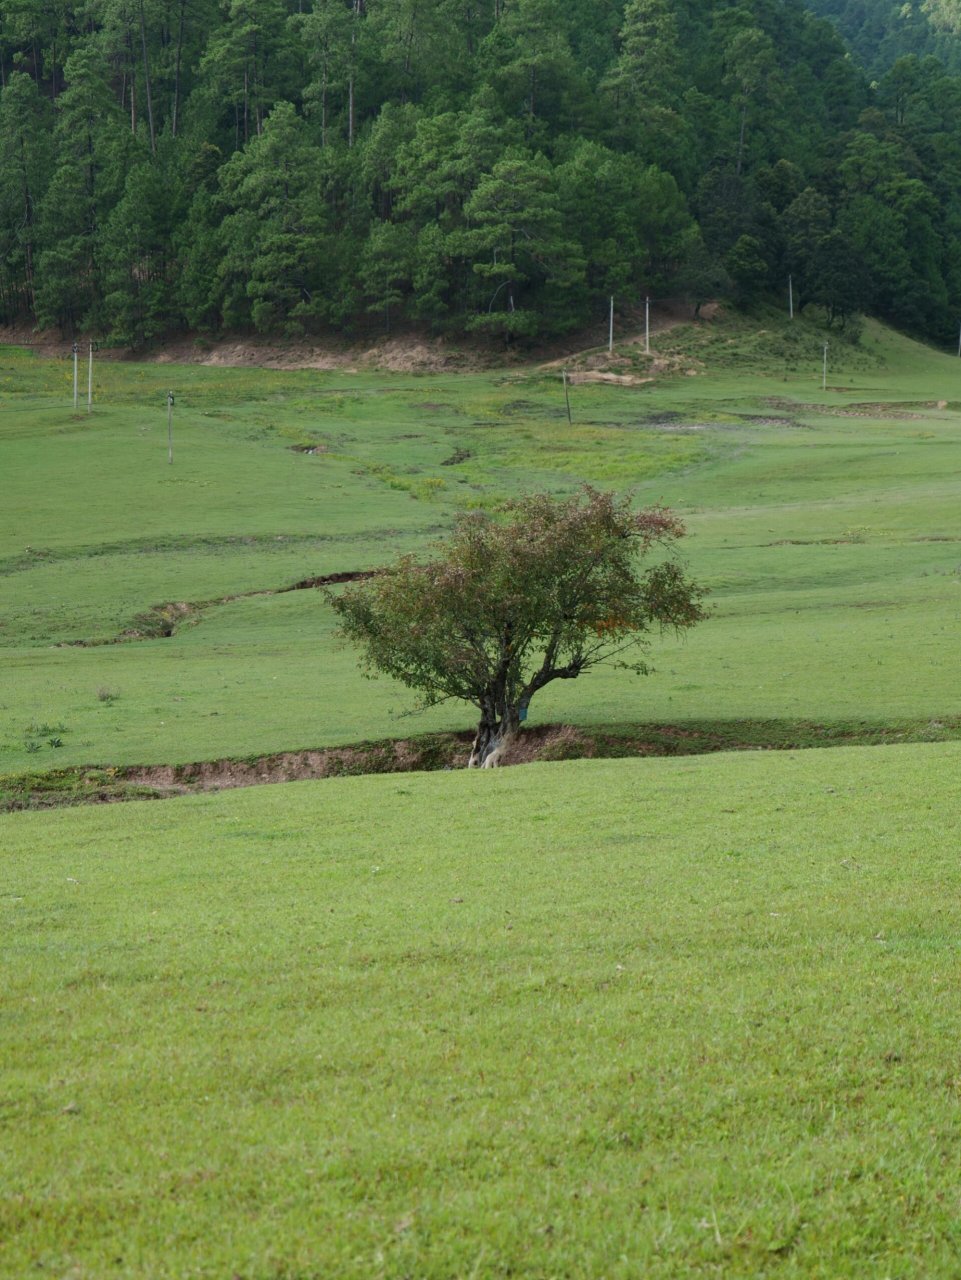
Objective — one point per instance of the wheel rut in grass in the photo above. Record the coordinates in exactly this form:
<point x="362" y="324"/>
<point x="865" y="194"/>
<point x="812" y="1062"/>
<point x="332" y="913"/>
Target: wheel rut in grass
<point x="100" y="784"/>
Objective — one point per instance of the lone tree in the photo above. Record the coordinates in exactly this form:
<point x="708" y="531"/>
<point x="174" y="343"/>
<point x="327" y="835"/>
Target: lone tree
<point x="509" y="605"/>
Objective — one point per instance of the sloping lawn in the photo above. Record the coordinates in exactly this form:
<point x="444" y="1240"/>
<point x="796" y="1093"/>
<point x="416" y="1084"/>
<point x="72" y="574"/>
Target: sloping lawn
<point x="605" y="1018"/>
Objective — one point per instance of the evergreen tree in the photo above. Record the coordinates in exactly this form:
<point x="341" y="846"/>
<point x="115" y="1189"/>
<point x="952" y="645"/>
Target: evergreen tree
<point x="247" y="63"/>
<point x="272" y="241"/>
<point x="92" y="154"/>
<point x="516" y="240"/>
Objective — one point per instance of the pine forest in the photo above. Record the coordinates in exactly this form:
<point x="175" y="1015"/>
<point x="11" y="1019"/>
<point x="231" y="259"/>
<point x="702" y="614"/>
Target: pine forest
<point x="500" y="167"/>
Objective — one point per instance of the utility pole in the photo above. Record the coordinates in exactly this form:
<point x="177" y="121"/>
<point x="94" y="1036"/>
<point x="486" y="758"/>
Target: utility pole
<point x="790" y="297"/>
<point x="959" y="344"/>
<point x="824" y="369"/>
<point x="610" y="330"/>
<point x="90" y="380"/>
<point x="647" y="326"/>
<point x="567" y="397"/>
<point x="76" y="349"/>
<point x="170" y="427"/>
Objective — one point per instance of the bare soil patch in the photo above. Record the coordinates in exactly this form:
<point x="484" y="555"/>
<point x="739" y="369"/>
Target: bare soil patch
<point x="613" y="379"/>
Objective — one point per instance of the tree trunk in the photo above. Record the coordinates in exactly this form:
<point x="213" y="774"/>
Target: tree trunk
<point x="146" y="75"/>
<point x="470" y="30"/>
<point x="358" y="11"/>
<point x="246" y="104"/>
<point x="495" y="735"/>
<point x="177" y="60"/>
<point x="323" y="106"/>
<point x="133" y="83"/>
<point x="28" y="224"/>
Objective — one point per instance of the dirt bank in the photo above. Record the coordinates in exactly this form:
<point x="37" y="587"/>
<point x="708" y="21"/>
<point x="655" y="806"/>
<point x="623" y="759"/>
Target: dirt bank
<point x="407" y="352"/>
<point x="90" y="784"/>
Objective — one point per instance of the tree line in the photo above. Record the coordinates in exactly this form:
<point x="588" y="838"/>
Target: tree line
<point x="499" y="166"/>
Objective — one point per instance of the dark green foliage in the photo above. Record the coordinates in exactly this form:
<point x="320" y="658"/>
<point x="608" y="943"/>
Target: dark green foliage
<point x="885" y="30"/>
<point x="747" y="268"/>
<point x="26" y="159"/>
<point x="839" y="278"/>
<point x="468" y="164"/>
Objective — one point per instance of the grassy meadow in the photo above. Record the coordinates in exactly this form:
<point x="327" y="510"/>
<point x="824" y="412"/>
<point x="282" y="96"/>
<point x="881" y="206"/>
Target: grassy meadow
<point x="599" y="1018"/>
<point x="825" y="525"/>
<point x="666" y="1018"/>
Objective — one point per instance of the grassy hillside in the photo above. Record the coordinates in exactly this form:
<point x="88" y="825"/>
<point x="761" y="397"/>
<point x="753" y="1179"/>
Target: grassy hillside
<point x="824" y="523"/>
<point x="669" y="1018"/>
<point x="611" y="1018"/>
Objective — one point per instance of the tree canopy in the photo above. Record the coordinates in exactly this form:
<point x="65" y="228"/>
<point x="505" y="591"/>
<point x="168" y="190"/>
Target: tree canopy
<point x="492" y="165"/>
<point x="508" y="605"/>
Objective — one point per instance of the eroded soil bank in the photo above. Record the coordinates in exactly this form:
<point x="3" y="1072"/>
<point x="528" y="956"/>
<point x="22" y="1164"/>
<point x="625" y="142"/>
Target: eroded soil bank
<point x="99" y="784"/>
<point x="410" y="351"/>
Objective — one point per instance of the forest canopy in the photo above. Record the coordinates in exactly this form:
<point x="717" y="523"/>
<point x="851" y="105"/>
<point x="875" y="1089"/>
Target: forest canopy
<point x="500" y="166"/>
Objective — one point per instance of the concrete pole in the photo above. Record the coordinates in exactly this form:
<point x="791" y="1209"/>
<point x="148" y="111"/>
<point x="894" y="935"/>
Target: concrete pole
<point x="76" y="350"/>
<point x="610" y="331"/>
<point x="90" y="381"/>
<point x="170" y="427"/>
<point x="647" y="326"/>
<point x="567" y="397"/>
<point x="824" y="369"/>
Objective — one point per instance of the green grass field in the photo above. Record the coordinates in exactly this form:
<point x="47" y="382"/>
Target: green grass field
<point x="602" y="1018"/>
<point x="830" y="543"/>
